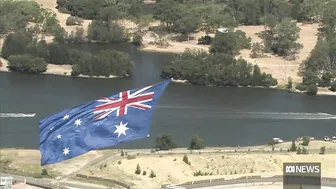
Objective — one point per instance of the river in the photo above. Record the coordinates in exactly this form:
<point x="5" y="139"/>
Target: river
<point x="221" y="116"/>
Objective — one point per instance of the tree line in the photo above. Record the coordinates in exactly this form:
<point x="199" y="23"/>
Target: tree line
<point x="26" y="53"/>
<point x="319" y="69"/>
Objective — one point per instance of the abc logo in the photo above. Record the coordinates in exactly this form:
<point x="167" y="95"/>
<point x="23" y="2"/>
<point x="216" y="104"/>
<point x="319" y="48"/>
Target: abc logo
<point x="290" y="169"/>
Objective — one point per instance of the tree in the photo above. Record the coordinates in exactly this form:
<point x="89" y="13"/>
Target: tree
<point x="167" y="11"/>
<point x="165" y="142"/>
<point x="284" y="37"/>
<point x="257" y="50"/>
<point x="225" y="43"/>
<point x="188" y="23"/>
<point x="333" y="86"/>
<point x="322" y="150"/>
<point x="138" y="170"/>
<point x="16" y="43"/>
<point x="196" y="143"/>
<point x="58" y="54"/>
<point x="26" y="63"/>
<point x="312" y="89"/>
<point x="304" y="150"/>
<point x="106" y="32"/>
<point x="290" y="83"/>
<point x="293" y="147"/>
<point x="152" y="174"/>
<point x="305" y="140"/>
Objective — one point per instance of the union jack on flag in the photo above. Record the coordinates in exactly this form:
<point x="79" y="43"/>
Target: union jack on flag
<point x="127" y="99"/>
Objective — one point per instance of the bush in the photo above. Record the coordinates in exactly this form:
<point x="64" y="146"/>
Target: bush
<point x="305" y="140"/>
<point x="333" y="86"/>
<point x="299" y="151"/>
<point x="186" y="160"/>
<point x="293" y="147"/>
<point x="312" y="90"/>
<point x="144" y="172"/>
<point x="290" y="83"/>
<point x="74" y="20"/>
<point x="152" y="174"/>
<point x="129" y="157"/>
<point x="205" y="40"/>
<point x="301" y="87"/>
<point x="122" y="153"/>
<point x="165" y="142"/>
<point x="119" y="162"/>
<point x="304" y="151"/>
<point x="44" y="172"/>
<point x="196" y="143"/>
<point x="138" y="170"/>
<point x="26" y="63"/>
<point x="322" y="150"/>
<point x="257" y="50"/>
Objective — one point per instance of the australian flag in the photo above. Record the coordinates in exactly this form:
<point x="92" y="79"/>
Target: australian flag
<point x="99" y="124"/>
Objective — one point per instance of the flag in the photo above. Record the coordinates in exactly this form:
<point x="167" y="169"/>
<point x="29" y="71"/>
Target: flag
<point x="102" y="123"/>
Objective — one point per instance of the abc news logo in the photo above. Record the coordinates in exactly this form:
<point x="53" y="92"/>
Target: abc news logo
<point x="302" y="168"/>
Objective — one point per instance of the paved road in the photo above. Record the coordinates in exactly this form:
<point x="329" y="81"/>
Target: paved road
<point x="245" y="181"/>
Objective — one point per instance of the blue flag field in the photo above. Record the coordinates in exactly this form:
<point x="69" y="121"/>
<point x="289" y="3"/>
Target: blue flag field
<point x="103" y="123"/>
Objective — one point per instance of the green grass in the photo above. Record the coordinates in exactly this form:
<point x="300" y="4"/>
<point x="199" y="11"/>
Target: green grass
<point x="108" y="184"/>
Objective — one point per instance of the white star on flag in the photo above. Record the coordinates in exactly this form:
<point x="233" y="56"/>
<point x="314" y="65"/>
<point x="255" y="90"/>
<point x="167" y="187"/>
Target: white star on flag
<point x="66" y="151"/>
<point x="78" y="122"/>
<point x="52" y="128"/>
<point x="59" y="136"/>
<point x="66" y="116"/>
<point x="121" y="129"/>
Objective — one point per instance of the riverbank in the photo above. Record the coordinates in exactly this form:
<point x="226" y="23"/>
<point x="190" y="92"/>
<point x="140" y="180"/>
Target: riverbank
<point x="169" y="167"/>
<point x="321" y="90"/>
<point x="53" y="69"/>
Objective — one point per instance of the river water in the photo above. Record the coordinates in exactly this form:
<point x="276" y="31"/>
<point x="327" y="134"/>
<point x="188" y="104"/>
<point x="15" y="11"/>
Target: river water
<point x="221" y="116"/>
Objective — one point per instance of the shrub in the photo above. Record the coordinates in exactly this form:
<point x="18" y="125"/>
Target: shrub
<point x="122" y="153"/>
<point x="74" y="20"/>
<point x="27" y="63"/>
<point x="165" y="142"/>
<point x="312" y="89"/>
<point x="144" y="173"/>
<point x="305" y="140"/>
<point x="152" y="174"/>
<point x="293" y="147"/>
<point x="205" y="40"/>
<point x="138" y="170"/>
<point x="186" y="160"/>
<point x="301" y="87"/>
<point x="257" y="50"/>
<point x="299" y="151"/>
<point x="290" y="83"/>
<point x="333" y="86"/>
<point x="129" y="157"/>
<point x="44" y="172"/>
<point x="322" y="150"/>
<point x="304" y="151"/>
<point x="196" y="143"/>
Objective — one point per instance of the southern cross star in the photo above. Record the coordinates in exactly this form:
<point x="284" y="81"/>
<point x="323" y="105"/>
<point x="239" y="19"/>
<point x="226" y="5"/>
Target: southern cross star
<point x="121" y="129"/>
<point x="59" y="136"/>
<point x="78" y="122"/>
<point x="66" y="151"/>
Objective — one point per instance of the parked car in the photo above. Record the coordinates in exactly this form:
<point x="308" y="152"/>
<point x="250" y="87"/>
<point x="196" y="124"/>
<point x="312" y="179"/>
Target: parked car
<point x="277" y="140"/>
<point x="326" y="138"/>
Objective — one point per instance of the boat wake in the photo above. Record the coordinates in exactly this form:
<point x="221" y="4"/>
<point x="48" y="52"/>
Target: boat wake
<point x="16" y="115"/>
<point x="279" y="115"/>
